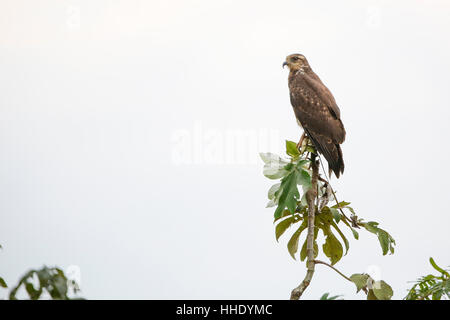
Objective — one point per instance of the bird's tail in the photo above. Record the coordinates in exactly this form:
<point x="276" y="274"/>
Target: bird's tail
<point x="336" y="166"/>
<point x="332" y="153"/>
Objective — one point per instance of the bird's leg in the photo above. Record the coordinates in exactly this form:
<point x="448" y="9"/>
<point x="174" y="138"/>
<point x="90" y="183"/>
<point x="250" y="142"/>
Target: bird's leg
<point x="300" y="142"/>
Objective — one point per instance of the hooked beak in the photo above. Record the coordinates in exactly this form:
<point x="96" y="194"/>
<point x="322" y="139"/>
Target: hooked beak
<point x="284" y="64"/>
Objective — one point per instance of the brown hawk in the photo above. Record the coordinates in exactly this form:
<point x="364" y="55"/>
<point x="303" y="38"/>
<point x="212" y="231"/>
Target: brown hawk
<point x="316" y="111"/>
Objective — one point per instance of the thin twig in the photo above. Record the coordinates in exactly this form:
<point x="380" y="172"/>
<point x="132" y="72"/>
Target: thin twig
<point x="343" y="275"/>
<point x="329" y="265"/>
<point x="323" y="180"/>
<point x="311" y="196"/>
<point x="334" y="195"/>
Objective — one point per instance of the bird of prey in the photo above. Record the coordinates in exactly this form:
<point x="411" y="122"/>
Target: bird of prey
<point x="316" y="111"/>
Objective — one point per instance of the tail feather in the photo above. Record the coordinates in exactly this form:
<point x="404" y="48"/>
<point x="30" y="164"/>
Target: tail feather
<point x="331" y="151"/>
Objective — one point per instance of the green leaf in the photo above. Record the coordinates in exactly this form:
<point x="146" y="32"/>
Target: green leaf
<point x="371" y="226"/>
<point x="273" y="189"/>
<point x="270" y="204"/>
<point x="385" y="239"/>
<point x="333" y="248"/>
<point x="341" y="204"/>
<point x="273" y="200"/>
<point x="274" y="167"/>
<point x="325" y="296"/>
<point x="347" y="245"/>
<point x="3" y="283"/>
<point x="32" y="292"/>
<point x="382" y="290"/>
<point x="291" y="149"/>
<point x="310" y="149"/>
<point x="303" y="164"/>
<point x="283" y="226"/>
<point x="268" y="157"/>
<point x="436" y="295"/>
<point x="336" y="215"/>
<point x="360" y="280"/>
<point x="304" y="179"/>
<point x="371" y="295"/>
<point x="288" y="194"/>
<point x="303" y="252"/>
<point x="60" y="284"/>
<point x="351" y="210"/>
<point x="44" y="276"/>
<point x="293" y="242"/>
<point x="355" y="234"/>
<point x="273" y="172"/>
<point x="285" y="213"/>
<point x="439" y="269"/>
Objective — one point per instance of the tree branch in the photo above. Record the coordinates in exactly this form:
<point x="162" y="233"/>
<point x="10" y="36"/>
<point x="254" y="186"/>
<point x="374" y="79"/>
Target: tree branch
<point x="311" y="196"/>
<point x="329" y="265"/>
<point x="343" y="275"/>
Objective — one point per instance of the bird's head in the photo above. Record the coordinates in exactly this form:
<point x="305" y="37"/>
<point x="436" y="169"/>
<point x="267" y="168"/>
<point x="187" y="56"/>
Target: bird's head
<point x="296" y="62"/>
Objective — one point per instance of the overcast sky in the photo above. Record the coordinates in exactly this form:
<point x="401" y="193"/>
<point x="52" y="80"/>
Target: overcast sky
<point x="119" y="155"/>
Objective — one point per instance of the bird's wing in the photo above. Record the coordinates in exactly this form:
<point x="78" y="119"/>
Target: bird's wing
<point x="316" y="109"/>
<point x="323" y="93"/>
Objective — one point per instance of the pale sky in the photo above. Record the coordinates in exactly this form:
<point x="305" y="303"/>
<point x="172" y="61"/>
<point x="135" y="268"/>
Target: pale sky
<point x="130" y="132"/>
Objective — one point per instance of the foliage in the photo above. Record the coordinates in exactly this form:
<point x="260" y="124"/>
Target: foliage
<point x="375" y="290"/>
<point x="292" y="208"/>
<point x="330" y="220"/>
<point x="292" y="211"/>
<point x="326" y="296"/>
<point x="46" y="280"/>
<point x="3" y="283"/>
<point x="431" y="287"/>
<point x="50" y="280"/>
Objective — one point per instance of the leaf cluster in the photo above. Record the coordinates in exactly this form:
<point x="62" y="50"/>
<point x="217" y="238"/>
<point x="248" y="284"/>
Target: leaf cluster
<point x="50" y="280"/>
<point x="375" y="290"/>
<point x="289" y="198"/>
<point x="326" y="296"/>
<point x="431" y="287"/>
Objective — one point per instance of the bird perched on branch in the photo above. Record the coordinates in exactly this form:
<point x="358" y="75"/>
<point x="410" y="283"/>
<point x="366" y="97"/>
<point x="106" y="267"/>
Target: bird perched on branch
<point x="316" y="112"/>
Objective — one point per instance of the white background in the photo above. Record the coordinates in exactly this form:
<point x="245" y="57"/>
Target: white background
<point x="100" y="99"/>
